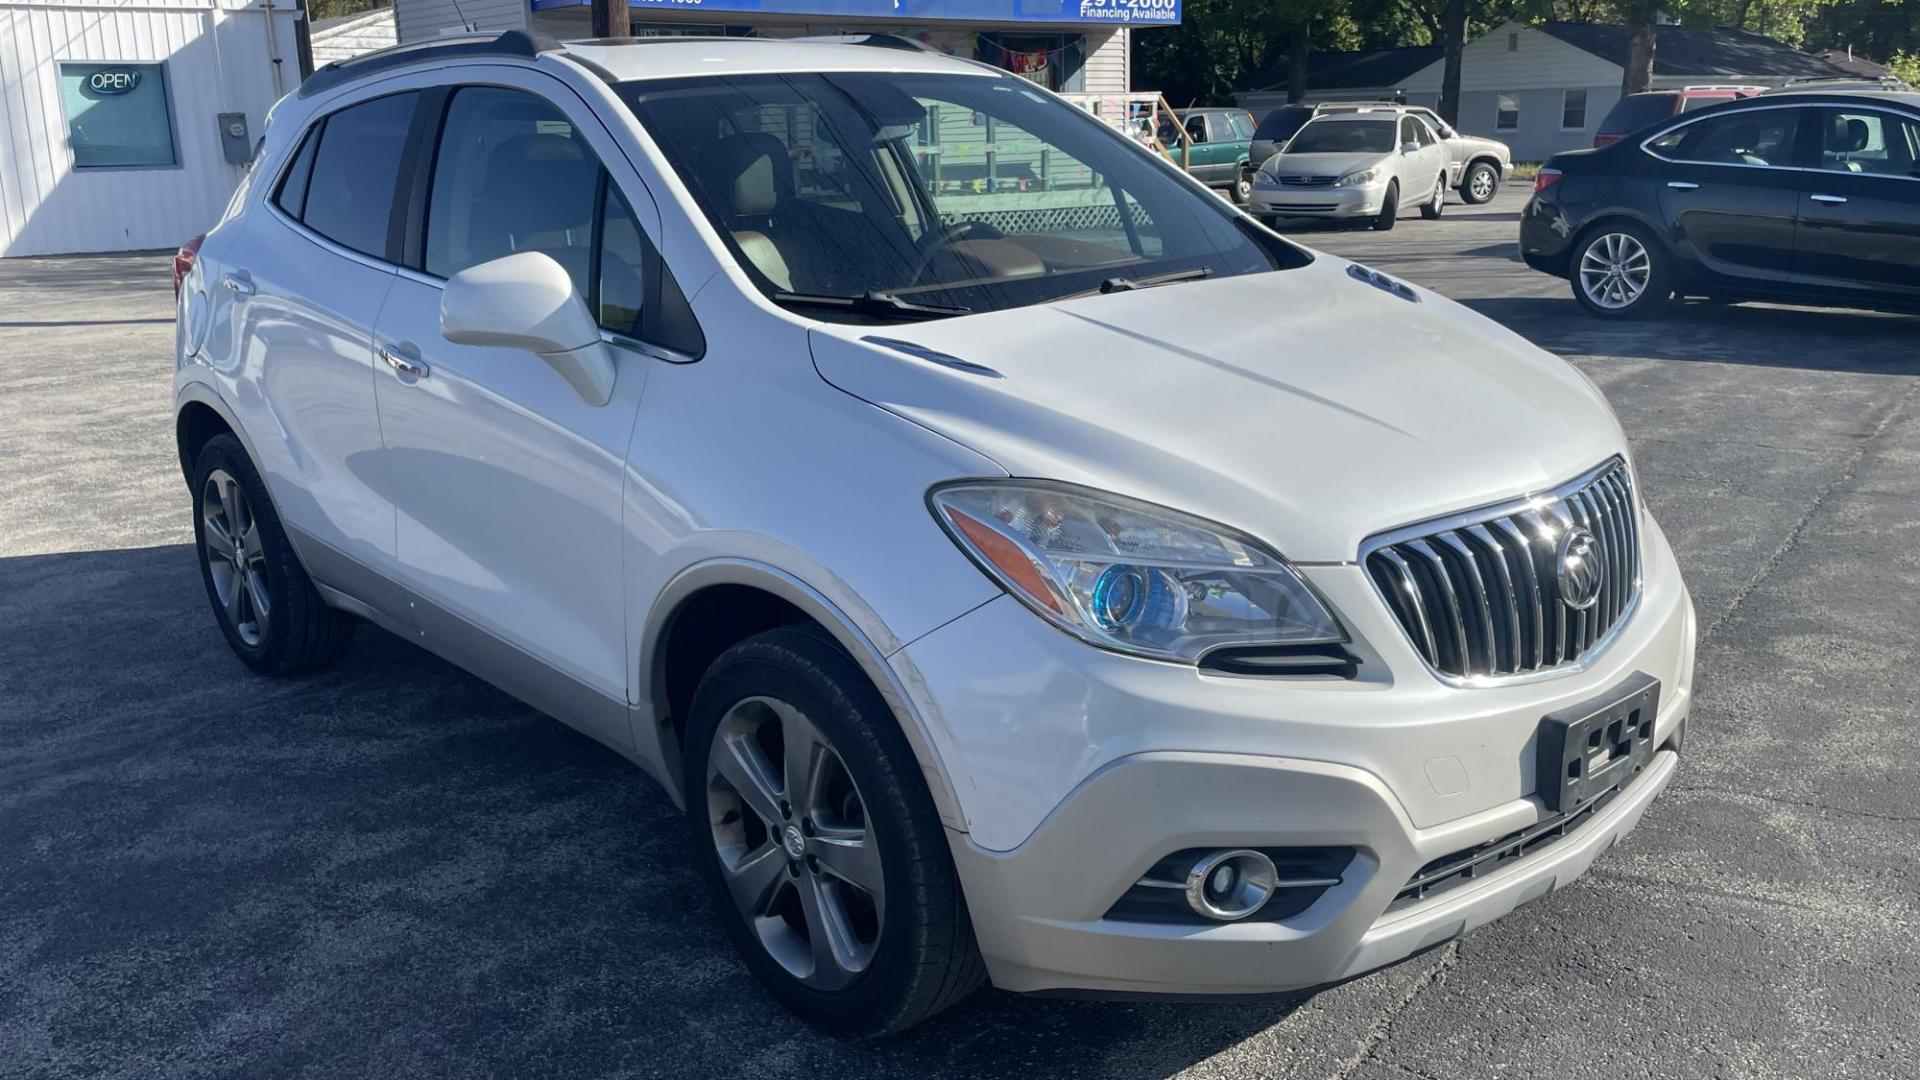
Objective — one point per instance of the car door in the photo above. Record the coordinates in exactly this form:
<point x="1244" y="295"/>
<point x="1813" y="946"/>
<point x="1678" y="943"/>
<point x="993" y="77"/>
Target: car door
<point x="1433" y="153"/>
<point x="508" y="483"/>
<point x="303" y="290"/>
<point x="1203" y="157"/>
<point x="1729" y="193"/>
<point x="1859" y="226"/>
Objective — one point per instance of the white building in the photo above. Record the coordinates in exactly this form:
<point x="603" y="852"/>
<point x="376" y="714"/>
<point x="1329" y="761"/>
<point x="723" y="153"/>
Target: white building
<point x="346" y="36"/>
<point x="125" y="124"/>
<point x="1542" y="89"/>
<point x="1069" y="45"/>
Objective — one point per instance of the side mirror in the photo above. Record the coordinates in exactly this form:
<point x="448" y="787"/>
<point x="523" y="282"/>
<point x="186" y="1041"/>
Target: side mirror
<point x="1409" y="147"/>
<point x="526" y="301"/>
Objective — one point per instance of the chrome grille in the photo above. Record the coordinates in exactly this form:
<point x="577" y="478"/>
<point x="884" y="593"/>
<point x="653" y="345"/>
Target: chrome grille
<point x="1479" y="594"/>
<point x="1308" y="181"/>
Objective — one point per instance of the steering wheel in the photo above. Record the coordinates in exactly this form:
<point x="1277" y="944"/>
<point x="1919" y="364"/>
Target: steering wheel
<point x="935" y="243"/>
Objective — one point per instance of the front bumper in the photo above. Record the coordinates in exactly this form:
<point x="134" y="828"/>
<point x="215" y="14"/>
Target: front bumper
<point x="1334" y="202"/>
<point x="1077" y="770"/>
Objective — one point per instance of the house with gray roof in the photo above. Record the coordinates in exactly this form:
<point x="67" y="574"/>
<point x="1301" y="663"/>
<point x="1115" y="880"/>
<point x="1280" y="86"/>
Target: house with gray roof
<point x="1542" y="89"/>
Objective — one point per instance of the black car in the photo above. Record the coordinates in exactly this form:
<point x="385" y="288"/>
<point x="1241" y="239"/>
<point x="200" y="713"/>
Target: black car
<point x="1809" y="198"/>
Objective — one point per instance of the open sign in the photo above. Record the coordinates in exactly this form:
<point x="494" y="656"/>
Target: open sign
<point x="113" y="80"/>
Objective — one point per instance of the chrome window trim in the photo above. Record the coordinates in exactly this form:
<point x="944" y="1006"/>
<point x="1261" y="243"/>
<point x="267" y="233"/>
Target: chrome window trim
<point x="1875" y="107"/>
<point x="1503" y="508"/>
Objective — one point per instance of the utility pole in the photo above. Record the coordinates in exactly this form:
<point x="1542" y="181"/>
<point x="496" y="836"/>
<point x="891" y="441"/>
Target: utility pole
<point x="611" y="20"/>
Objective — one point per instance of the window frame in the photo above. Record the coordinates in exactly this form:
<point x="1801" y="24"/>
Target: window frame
<point x="1498" y="111"/>
<point x="1798" y="164"/>
<point x="166" y="97"/>
<point x="423" y="152"/>
<point x="316" y="130"/>
<point x="1566" y="97"/>
<point x="1809" y="150"/>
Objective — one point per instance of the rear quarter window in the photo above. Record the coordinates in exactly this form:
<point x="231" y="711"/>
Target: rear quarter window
<point x="349" y="196"/>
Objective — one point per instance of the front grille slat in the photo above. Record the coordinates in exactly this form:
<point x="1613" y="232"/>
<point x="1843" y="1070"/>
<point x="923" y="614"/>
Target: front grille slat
<point x="1478" y="594"/>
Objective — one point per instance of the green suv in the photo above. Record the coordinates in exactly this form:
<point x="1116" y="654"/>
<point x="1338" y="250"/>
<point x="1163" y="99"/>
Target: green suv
<point x="1219" y="156"/>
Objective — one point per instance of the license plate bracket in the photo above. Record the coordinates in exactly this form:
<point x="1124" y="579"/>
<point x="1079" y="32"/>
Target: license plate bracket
<point x="1589" y="749"/>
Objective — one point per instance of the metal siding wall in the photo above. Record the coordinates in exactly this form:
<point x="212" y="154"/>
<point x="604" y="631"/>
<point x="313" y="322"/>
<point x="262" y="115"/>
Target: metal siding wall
<point x="217" y="61"/>
<point x="1107" y="61"/>
<point x="422" y="20"/>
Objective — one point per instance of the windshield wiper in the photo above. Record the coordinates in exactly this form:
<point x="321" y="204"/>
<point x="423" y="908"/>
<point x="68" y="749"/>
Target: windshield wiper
<point x="871" y="302"/>
<point x="1124" y="284"/>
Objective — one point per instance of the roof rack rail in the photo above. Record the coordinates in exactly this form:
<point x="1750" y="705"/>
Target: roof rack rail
<point x="1888" y="79"/>
<point x="875" y="41"/>
<point x="518" y="44"/>
<point x="1723" y="86"/>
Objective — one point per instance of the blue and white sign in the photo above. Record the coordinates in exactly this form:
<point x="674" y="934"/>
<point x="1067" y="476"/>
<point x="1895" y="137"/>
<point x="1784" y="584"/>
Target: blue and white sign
<point x="989" y="12"/>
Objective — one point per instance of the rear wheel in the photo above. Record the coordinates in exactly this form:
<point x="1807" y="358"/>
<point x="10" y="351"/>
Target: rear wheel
<point x="1389" y="208"/>
<point x="1243" y="187"/>
<point x="1480" y="183"/>
<point x="819" y="841"/>
<point x="1620" y="272"/>
<point x="1437" y="203"/>
<point x="266" y="606"/>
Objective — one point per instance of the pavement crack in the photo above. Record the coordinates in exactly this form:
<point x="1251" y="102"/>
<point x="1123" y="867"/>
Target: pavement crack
<point x="1875" y="429"/>
<point x="1383" y="1027"/>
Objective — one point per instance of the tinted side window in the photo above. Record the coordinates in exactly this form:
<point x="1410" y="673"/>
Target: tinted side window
<point x="1282" y="123"/>
<point x="1754" y="137"/>
<point x="511" y="175"/>
<point x="349" y="197"/>
<point x="292" y="196"/>
<point x="1865" y="141"/>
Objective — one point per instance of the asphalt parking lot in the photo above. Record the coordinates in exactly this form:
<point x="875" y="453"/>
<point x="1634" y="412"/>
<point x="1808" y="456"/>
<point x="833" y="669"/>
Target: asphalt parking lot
<point x="395" y="871"/>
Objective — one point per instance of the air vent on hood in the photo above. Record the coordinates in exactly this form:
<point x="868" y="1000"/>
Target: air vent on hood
<point x="933" y="356"/>
<point x="1381" y="281"/>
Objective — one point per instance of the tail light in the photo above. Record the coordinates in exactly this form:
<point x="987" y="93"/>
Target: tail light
<point x="183" y="261"/>
<point x="1546" y="179"/>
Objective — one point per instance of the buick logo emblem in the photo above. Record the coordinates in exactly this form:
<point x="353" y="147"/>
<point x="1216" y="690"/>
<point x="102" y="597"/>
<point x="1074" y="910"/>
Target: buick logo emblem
<point x="1578" y="569"/>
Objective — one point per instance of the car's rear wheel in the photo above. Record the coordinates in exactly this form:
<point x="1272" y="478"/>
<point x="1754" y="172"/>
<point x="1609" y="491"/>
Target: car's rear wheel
<point x="1243" y="187"/>
<point x="1480" y="183"/>
<point x="819" y="841"/>
<point x="1436" y="204"/>
<point x="266" y="606"/>
<point x="1389" y="208"/>
<point x="1620" y="272"/>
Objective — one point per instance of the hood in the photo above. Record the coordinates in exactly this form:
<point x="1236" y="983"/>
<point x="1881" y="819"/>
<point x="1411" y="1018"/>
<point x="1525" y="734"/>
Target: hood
<point x="1285" y="164"/>
<point x="1476" y="142"/>
<point x="1305" y="407"/>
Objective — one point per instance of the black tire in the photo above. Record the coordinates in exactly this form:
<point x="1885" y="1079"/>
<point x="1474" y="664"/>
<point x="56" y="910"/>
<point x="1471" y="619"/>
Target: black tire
<point x="1243" y="188"/>
<point x="1612" y="241"/>
<point x="1479" y="183"/>
<point x="301" y="633"/>
<point x="924" y="958"/>
<point x="1436" y="204"/>
<point x="1389" y="208"/>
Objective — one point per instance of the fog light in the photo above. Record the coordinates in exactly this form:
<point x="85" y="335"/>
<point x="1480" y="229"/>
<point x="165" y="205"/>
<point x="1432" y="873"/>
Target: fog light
<point x="1229" y="885"/>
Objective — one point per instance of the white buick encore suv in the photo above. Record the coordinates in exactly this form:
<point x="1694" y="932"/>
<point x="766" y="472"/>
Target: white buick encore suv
<point x="1021" y="565"/>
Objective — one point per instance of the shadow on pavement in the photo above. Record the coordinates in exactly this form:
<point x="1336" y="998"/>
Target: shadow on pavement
<point x="390" y="869"/>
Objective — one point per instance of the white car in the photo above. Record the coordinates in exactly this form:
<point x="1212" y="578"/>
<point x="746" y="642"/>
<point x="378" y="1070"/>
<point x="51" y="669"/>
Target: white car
<point x="1356" y="165"/>
<point x="1068" y="584"/>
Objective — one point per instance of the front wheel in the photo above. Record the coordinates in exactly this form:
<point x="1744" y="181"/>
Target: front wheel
<point x="1620" y="272"/>
<point x="1243" y="188"/>
<point x="1480" y="183"/>
<point x="819" y="841"/>
<point x="1389" y="208"/>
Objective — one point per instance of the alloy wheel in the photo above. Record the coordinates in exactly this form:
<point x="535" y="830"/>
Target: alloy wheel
<point x="236" y="559"/>
<point x="1615" y="270"/>
<point x="1481" y="184"/>
<point x="797" y="850"/>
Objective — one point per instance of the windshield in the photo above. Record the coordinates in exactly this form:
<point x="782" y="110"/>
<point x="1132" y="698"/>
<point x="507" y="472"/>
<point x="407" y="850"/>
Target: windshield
<point x="943" y="194"/>
<point x="1344" y="137"/>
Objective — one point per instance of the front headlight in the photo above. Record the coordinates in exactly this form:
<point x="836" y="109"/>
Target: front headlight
<point x="1356" y="179"/>
<point x="1265" y="179"/>
<point x="1129" y="575"/>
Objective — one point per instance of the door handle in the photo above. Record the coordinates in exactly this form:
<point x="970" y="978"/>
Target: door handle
<point x="402" y="364"/>
<point x="1829" y="199"/>
<point x="1682" y="185"/>
<point x="238" y="284"/>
